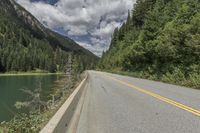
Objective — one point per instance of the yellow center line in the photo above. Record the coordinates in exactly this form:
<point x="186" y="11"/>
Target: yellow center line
<point x="164" y="99"/>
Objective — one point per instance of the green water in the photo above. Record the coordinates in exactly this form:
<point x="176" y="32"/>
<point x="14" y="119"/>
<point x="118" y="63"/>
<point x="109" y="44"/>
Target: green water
<point x="10" y="91"/>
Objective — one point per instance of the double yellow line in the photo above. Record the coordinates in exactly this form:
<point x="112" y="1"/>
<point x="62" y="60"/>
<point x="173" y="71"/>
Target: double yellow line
<point x="164" y="99"/>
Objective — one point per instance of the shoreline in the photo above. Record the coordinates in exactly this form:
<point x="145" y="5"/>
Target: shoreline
<point x="29" y="74"/>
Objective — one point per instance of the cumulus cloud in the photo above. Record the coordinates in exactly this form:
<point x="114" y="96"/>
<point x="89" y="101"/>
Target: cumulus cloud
<point x="93" y="19"/>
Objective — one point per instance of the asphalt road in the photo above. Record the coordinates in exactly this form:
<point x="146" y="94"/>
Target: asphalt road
<point x="120" y="104"/>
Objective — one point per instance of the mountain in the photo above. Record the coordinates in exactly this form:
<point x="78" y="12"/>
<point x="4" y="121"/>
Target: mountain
<point x="46" y="1"/>
<point x="25" y="44"/>
<point x="160" y="41"/>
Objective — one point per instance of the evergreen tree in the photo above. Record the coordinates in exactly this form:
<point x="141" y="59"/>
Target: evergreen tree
<point x="161" y="41"/>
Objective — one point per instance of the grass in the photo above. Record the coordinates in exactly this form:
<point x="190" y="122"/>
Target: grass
<point x="30" y="73"/>
<point x="1" y="130"/>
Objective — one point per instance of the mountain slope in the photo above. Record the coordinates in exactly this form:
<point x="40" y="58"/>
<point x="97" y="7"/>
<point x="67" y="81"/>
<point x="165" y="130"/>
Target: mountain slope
<point x="160" y="40"/>
<point x="25" y="44"/>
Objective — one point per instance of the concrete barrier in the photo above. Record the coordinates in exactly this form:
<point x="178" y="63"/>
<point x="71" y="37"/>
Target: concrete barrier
<point x="60" y="122"/>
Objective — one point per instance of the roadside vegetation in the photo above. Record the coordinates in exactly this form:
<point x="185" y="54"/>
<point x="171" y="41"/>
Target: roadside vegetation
<point x="29" y="73"/>
<point x="177" y="78"/>
<point x="159" y="41"/>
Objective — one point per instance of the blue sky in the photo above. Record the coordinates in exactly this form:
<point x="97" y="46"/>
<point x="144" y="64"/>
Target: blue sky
<point x="89" y="22"/>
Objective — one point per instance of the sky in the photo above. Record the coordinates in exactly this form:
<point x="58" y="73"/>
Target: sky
<point x="89" y="22"/>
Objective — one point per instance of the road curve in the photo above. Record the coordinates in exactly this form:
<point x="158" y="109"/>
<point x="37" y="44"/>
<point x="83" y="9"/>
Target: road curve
<point x="121" y="104"/>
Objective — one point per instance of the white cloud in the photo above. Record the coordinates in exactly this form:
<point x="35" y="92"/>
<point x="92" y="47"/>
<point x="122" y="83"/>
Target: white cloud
<point x="94" y="18"/>
<point x="106" y="29"/>
<point x="97" y="48"/>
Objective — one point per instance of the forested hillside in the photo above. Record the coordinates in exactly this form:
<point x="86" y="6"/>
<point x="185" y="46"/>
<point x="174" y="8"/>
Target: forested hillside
<point x="160" y="41"/>
<point x="26" y="45"/>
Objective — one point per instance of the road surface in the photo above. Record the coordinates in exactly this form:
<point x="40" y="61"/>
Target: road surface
<point x="120" y="104"/>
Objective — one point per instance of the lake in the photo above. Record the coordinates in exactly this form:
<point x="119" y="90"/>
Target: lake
<point x="10" y="91"/>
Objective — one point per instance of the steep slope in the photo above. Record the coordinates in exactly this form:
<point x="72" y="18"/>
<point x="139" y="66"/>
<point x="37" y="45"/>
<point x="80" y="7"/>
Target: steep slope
<point x="161" y="41"/>
<point x="25" y="44"/>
